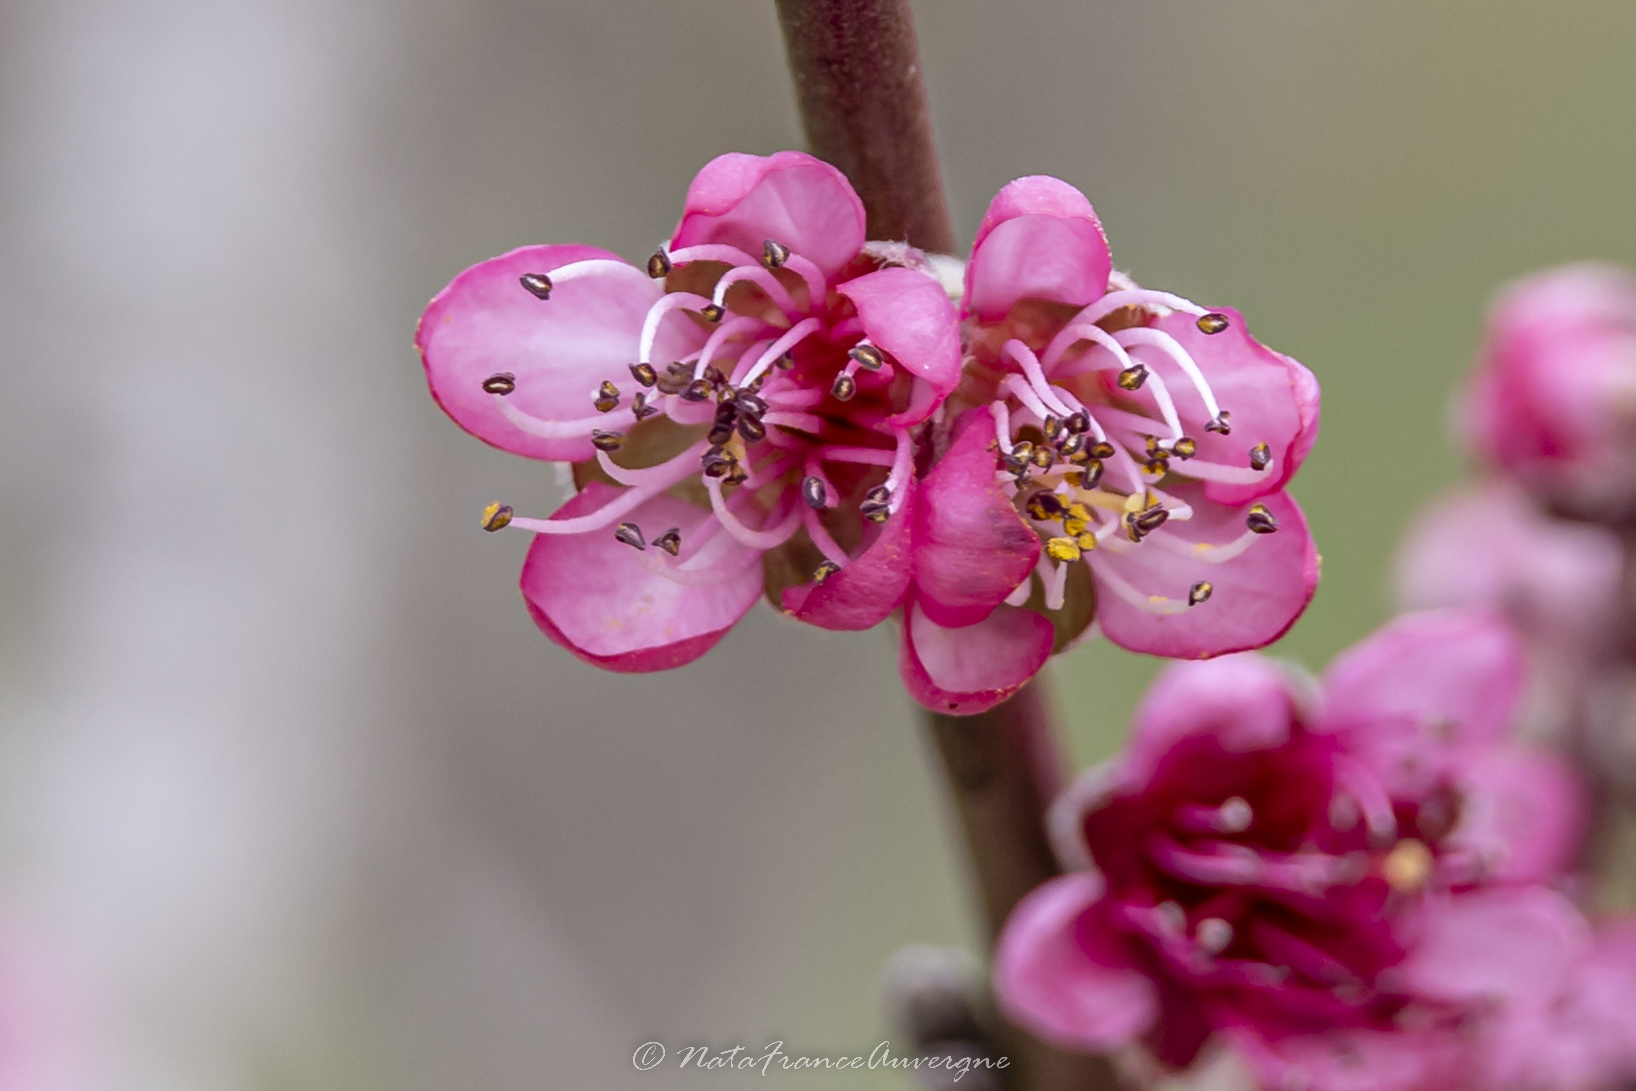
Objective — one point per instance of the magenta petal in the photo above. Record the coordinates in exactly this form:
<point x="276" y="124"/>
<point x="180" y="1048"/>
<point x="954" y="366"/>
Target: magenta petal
<point x="559" y="349"/>
<point x="908" y="314"/>
<point x="971" y="547"/>
<point x="1055" y="976"/>
<point x="1456" y="671"/>
<point x="1271" y="398"/>
<point x="1242" y="702"/>
<point x="1255" y="597"/>
<point x="801" y="202"/>
<point x="865" y="592"/>
<point x="599" y="598"/>
<point x="1039" y="239"/>
<point x="971" y="669"/>
<point x="1498" y="943"/>
<point x="1523" y="812"/>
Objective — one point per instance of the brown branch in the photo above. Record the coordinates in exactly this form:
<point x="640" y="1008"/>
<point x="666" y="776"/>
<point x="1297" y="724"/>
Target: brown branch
<point x="863" y="107"/>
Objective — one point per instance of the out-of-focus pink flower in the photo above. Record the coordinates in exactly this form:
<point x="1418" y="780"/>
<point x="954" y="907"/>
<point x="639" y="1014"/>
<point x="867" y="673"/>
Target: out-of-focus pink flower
<point x="751" y="391"/>
<point x="1345" y="882"/>
<point x="1552" y="402"/>
<point x="1123" y="445"/>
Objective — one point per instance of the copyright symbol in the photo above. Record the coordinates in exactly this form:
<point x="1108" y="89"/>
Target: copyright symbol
<point x="647" y="1056"/>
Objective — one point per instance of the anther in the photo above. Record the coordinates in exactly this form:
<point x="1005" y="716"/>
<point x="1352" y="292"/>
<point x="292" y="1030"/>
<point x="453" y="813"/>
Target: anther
<point x="1076" y="519"/>
<point x="1091" y="475"/>
<point x="1261" y="520"/>
<point x="631" y="535"/>
<point x="670" y="541"/>
<point x="1043" y="457"/>
<point x="1214" y="935"/>
<point x="738" y="475"/>
<point x="1102" y="449"/>
<point x="675" y="378"/>
<point x="824" y="571"/>
<point x="1212" y="323"/>
<point x="1133" y="377"/>
<point x="785" y="362"/>
<point x="659" y="265"/>
<point x="1052" y="426"/>
<point x="1020" y="457"/>
<point x="875" y="513"/>
<point x="880" y="494"/>
<point x="1260" y="456"/>
<point x="714" y="375"/>
<point x="1155" y="449"/>
<point x="606" y="441"/>
<point x="643" y="406"/>
<point x="844" y="387"/>
<point x="722" y="429"/>
<point x="1062" y="549"/>
<point x="1157" y="466"/>
<point x="773" y="253"/>
<point x="538" y="284"/>
<point x="644" y="374"/>
<point x="1221" y="423"/>
<point x="712" y="312"/>
<point x="696" y="391"/>
<point x="1073" y="448"/>
<point x="1043" y="506"/>
<point x="497" y="517"/>
<point x="1140" y="524"/>
<point x="718" y="462"/>
<point x="607" y="397"/>
<point x="502" y="383"/>
<point x="814" y="493"/>
<point x="751" y="428"/>
<point x="1199" y="592"/>
<point x="1185" y="447"/>
<point x="868" y="357"/>
<point x="1077" y="422"/>
<point x="747" y="402"/>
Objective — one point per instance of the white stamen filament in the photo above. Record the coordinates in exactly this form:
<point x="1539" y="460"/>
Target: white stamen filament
<point x="807" y="270"/>
<point x="1054" y="578"/>
<point x="714" y="342"/>
<point x="1152" y="604"/>
<point x="1225" y="474"/>
<point x="1002" y="425"/>
<point x="1071" y="336"/>
<point x="795" y="335"/>
<point x="1167" y="344"/>
<point x="1036" y="378"/>
<point x="1203" y="551"/>
<point x="594" y="267"/>
<point x="647" y="475"/>
<point x="762" y="278"/>
<point x="729" y="255"/>
<point x="1079" y="407"/>
<point x="821" y="538"/>
<point x="1018" y="388"/>
<point x="677" y="471"/>
<point x="562" y="429"/>
<point x="755" y="539"/>
<point x="1136" y="297"/>
<point x="656" y="313"/>
<point x="901" y="466"/>
<point x="1022" y="592"/>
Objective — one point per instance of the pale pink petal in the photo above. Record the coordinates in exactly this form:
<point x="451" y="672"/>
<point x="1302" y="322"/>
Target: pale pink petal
<point x="867" y="590"/>
<point x="1255" y="596"/>
<point x="596" y="597"/>
<point x="1455" y="673"/>
<point x="1039" y="239"/>
<point x="560" y="349"/>
<point x="1509" y="944"/>
<point x="971" y="547"/>
<point x="1355" y="1058"/>
<point x="908" y="315"/>
<point x="968" y="670"/>
<point x="1523" y="812"/>
<point x="790" y="197"/>
<point x="1057" y="977"/>
<point x="1242" y="702"/>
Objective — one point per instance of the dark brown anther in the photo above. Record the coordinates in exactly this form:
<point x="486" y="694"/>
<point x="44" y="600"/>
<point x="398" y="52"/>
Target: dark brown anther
<point x="607" y="397"/>
<point x="1260" y="456"/>
<point x="718" y="461"/>
<point x="1052" y="426"/>
<point x="642" y="405"/>
<point x="814" y="493"/>
<point x="502" y="383"/>
<point x="1078" y="422"/>
<point x="824" y="571"/>
<point x="1156" y="466"/>
<point x="751" y="428"/>
<point x="1044" y="506"/>
<point x="1101" y="449"/>
<point x="606" y="441"/>
<point x="722" y="430"/>
<point x="1043" y="457"/>
<point x="675" y="378"/>
<point x="1199" y="592"/>
<point x="785" y="362"/>
<point x="631" y="535"/>
<point x="659" y="265"/>
<point x="538" y="285"/>
<point x="670" y="541"/>
<point x="644" y="374"/>
<point x="1212" y="323"/>
<point x="712" y="312"/>
<point x="875" y="513"/>
<point x="1020" y="457"/>
<point x="1091" y="476"/>
<point x="880" y="494"/>
<point x="1154" y="448"/>
<point x="1221" y="424"/>
<point x="774" y="254"/>
<point x="1185" y="447"/>
<point x="868" y="357"/>
<point x="714" y="375"/>
<point x="844" y="387"/>
<point x="696" y="391"/>
<point x="1151" y="519"/>
<point x="737" y="476"/>
<point x="1074" y="448"/>
<point x="1133" y="377"/>
<point x="1260" y="520"/>
<point x="497" y="517"/>
<point x="747" y="402"/>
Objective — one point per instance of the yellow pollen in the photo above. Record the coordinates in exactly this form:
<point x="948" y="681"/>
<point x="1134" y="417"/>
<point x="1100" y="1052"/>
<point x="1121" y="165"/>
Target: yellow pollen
<point x="1407" y="866"/>
<point x="1087" y="542"/>
<point x="1074" y="525"/>
<point x="1062" y="549"/>
<point x="1134" y="502"/>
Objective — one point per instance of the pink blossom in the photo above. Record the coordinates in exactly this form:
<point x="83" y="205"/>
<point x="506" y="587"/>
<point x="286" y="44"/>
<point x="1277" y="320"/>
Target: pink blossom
<point x="738" y="413"/>
<point x="1143" y="444"/>
<point x="1552" y="401"/>
<point x="1346" y="882"/>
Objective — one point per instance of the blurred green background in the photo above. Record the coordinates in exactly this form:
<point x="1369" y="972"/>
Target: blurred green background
<point x="296" y="795"/>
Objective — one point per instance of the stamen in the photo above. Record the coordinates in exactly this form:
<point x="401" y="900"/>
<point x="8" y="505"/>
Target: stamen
<point x="1044" y="506"/>
<point x="1214" y="935"/>
<point x="607" y="441"/>
<point x="666" y="472"/>
<point x="1199" y="592"/>
<point x="672" y="473"/>
<point x="607" y="397"/>
<point x="642" y="406"/>
<point x="1021" y="593"/>
<point x="755" y="539"/>
<point x="1212" y="323"/>
<point x="761" y="278"/>
<point x="719" y="337"/>
<point x="1062" y="549"/>
<point x="844" y="387"/>
<point x="1002" y="425"/>
<point x="497" y="516"/>
<point x="1260" y="520"/>
<point x="1185" y="447"/>
<point x="537" y="284"/>
<point x="1068" y="338"/>
<point x="1152" y="604"/>
<point x="552" y="429"/>
<point x="814" y="493"/>
<point x="1030" y="365"/>
<point x="631" y="535"/>
<point x="644" y="374"/>
<point x="711" y="251"/>
<point x="1055" y="583"/>
<point x="591" y="267"/>
<point x="866" y="356"/>
<point x="774" y="254"/>
<point x="1133" y="377"/>
<point x="656" y="313"/>
<point x="1205" y="551"/>
<point x="751" y="428"/>
<point x="670" y="541"/>
<point x="718" y="461"/>
<point x="824" y="571"/>
<point x="1142" y="335"/>
<point x="1260" y="456"/>
<point x="1221" y="423"/>
<point x="713" y="312"/>
<point x="877" y="506"/>
<point x="1136" y="297"/>
<point x="501" y="383"/>
<point x="792" y="337"/>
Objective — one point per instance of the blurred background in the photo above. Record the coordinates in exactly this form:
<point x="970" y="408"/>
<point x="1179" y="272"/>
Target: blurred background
<point x="294" y="796"/>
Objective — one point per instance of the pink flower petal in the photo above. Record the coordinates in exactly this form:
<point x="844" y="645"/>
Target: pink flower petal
<point x="1055" y="976"/>
<point x="1354" y="1058"/>
<point x="973" y="668"/>
<point x="1494" y="944"/>
<point x="596" y="597"/>
<point x="971" y="547"/>
<point x="1039" y="239"/>
<point x="801" y="202"/>
<point x="1243" y="702"/>
<point x="1256" y="596"/>
<point x="907" y="314"/>
<point x="865" y="592"/>
<point x="1271" y="398"/>
<point x="1524" y="812"/>
<point x="1456" y="672"/>
<point x="559" y="349"/>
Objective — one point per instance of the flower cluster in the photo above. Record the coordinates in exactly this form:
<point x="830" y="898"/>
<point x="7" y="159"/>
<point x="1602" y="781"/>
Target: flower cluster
<point x="776" y="405"/>
<point x="1355" y="885"/>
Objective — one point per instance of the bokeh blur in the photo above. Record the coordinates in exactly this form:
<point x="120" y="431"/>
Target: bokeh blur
<point x="295" y="796"/>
